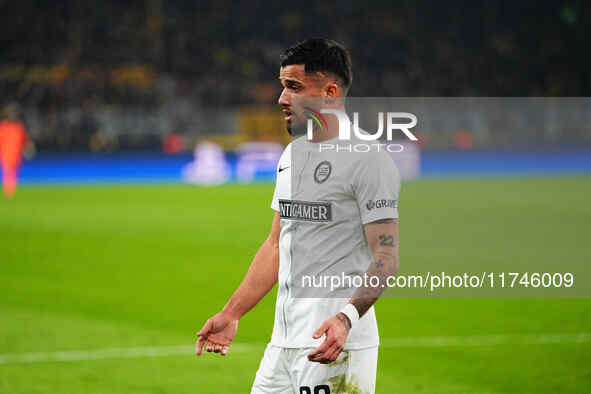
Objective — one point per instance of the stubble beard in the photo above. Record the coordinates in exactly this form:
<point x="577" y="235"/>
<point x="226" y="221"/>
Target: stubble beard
<point x="296" y="128"/>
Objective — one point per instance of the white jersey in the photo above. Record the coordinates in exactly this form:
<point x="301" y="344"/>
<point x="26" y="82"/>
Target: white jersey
<point x="324" y="199"/>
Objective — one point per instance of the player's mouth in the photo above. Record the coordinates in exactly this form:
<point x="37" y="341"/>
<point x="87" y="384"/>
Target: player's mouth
<point x="288" y="114"/>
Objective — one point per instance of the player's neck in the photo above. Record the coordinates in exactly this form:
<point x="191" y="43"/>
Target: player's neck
<point x="328" y="133"/>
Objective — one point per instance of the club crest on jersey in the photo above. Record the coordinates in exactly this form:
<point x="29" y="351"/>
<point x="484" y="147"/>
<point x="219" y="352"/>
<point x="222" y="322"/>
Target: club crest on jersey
<point x="322" y="171"/>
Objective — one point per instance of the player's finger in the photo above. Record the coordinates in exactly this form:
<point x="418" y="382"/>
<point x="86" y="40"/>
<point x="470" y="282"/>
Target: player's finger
<point x="199" y="345"/>
<point x="327" y="354"/>
<point x="205" y="329"/>
<point x="217" y="348"/>
<point x="332" y="350"/>
<point x="225" y="349"/>
<point x="209" y="347"/>
<point x="336" y="351"/>
<point x="323" y="328"/>
<point x="328" y="342"/>
<point x="324" y="358"/>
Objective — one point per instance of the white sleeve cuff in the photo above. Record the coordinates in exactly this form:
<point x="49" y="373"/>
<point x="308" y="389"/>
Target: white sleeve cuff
<point x="351" y="312"/>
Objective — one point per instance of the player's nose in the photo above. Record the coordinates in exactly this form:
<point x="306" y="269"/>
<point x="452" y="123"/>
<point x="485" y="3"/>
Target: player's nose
<point x="284" y="98"/>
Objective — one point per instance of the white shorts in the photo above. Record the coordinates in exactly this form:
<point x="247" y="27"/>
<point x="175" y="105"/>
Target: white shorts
<point x="286" y="370"/>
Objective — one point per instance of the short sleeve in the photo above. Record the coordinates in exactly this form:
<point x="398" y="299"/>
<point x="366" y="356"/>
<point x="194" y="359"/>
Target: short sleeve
<point x="275" y="200"/>
<point x="376" y="186"/>
<point x="282" y="177"/>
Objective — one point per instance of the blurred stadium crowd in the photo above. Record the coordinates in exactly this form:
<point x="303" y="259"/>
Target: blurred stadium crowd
<point x="104" y="75"/>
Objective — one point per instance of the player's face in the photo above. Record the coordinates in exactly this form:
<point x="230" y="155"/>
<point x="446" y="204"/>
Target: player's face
<point x="297" y="84"/>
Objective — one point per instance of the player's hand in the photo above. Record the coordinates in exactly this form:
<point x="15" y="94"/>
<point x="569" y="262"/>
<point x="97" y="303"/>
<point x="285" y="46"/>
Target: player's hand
<point x="336" y="330"/>
<point x="217" y="334"/>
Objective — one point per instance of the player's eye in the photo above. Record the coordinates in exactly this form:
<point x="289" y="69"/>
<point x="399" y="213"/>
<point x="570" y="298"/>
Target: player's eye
<point x="293" y="86"/>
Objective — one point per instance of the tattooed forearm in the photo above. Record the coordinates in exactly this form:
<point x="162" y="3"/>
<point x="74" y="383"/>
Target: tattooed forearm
<point x="379" y="264"/>
<point x="386" y="240"/>
<point x="382" y="240"/>
<point x="381" y="268"/>
<point x="362" y="304"/>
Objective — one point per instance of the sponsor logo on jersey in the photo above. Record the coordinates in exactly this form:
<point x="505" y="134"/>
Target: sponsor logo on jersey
<point x="322" y="171"/>
<point x="305" y="210"/>
<point x="371" y="204"/>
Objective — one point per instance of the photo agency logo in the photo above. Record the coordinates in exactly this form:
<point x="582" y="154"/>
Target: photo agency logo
<point x="392" y="123"/>
<point x="315" y="118"/>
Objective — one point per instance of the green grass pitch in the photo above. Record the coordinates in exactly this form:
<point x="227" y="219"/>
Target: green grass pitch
<point x="102" y="267"/>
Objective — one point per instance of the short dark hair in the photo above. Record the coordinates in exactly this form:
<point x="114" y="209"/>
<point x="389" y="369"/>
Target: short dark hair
<point x="321" y="55"/>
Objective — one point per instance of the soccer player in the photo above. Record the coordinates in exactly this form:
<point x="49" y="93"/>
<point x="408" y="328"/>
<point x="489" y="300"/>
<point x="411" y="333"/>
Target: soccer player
<point x="13" y="139"/>
<point x="335" y="212"/>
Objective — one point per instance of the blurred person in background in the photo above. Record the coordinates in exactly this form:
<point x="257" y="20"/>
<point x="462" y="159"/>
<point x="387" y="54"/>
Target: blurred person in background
<point x="13" y="141"/>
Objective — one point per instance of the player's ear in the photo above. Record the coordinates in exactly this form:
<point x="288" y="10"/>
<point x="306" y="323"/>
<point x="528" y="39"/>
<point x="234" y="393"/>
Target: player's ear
<point x="331" y="89"/>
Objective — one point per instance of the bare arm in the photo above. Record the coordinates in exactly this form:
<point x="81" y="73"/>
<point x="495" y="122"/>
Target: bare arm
<point x="260" y="278"/>
<point x="382" y="239"/>
<point x="219" y="331"/>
